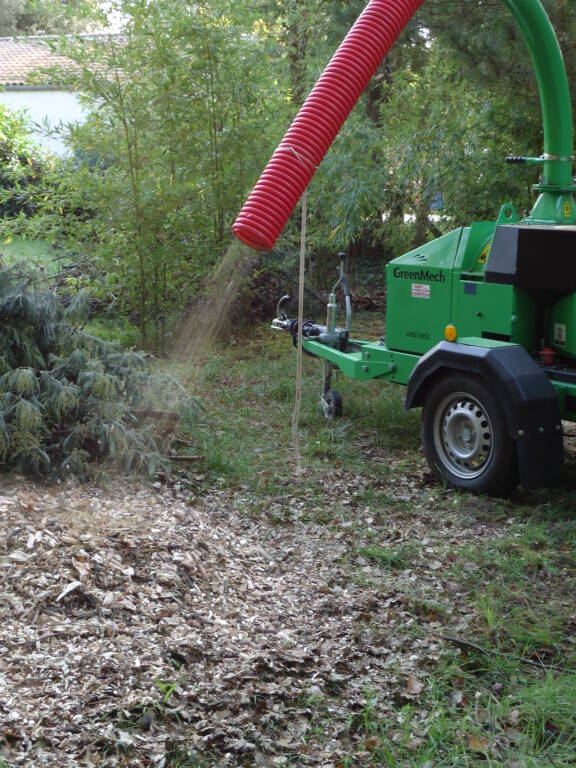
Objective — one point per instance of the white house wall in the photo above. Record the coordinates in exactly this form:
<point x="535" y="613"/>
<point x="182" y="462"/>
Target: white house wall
<point x="52" y="107"/>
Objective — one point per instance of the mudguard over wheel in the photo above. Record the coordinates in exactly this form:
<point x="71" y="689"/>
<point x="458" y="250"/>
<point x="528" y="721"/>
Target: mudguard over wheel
<point x="465" y="438"/>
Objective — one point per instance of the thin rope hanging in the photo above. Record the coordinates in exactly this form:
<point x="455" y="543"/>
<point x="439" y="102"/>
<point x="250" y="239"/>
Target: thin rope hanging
<point x="298" y="388"/>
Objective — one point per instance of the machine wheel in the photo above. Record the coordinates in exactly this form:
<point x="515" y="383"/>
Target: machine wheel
<point x="465" y="439"/>
<point x="333" y="400"/>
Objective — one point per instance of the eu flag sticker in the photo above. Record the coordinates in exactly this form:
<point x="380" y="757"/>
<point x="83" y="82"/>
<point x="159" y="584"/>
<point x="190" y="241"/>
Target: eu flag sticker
<point x="470" y="288"/>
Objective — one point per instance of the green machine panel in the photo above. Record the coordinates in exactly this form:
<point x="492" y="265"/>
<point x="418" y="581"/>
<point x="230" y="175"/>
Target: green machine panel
<point x="493" y="311"/>
<point x="474" y="248"/>
<point x="419" y="295"/>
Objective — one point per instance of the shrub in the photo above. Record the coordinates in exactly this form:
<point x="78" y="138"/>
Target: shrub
<point x="69" y="400"/>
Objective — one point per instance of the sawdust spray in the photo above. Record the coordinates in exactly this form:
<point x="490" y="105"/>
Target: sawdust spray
<point x="209" y="319"/>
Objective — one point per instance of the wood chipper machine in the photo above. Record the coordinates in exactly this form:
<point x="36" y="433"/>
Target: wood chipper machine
<point x="481" y="322"/>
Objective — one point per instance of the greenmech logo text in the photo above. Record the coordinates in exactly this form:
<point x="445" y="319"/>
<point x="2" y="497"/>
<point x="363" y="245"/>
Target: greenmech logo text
<point x="422" y="275"/>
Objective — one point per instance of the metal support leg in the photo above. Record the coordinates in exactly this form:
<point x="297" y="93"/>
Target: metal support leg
<point x="331" y="400"/>
<point x="327" y="383"/>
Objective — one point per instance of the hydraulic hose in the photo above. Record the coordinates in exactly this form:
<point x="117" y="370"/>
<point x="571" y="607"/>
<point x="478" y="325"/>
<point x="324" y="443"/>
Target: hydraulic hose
<point x="315" y="126"/>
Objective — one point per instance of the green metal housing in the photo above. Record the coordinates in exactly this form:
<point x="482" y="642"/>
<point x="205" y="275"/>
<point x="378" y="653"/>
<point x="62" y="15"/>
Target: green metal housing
<point x="444" y="283"/>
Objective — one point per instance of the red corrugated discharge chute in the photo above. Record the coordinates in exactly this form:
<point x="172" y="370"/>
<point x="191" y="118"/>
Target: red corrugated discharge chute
<point x="314" y="128"/>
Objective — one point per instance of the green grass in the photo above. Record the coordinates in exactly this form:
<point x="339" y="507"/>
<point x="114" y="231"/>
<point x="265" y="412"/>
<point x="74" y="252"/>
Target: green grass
<point x="34" y="253"/>
<point x="394" y="557"/>
<point x="463" y="722"/>
<point x="520" y="582"/>
<point x="547" y="710"/>
<point x="115" y="330"/>
<point x="250" y="390"/>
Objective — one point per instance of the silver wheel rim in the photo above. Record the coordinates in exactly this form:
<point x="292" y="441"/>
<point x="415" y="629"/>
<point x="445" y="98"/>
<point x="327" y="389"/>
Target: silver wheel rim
<point x="463" y="435"/>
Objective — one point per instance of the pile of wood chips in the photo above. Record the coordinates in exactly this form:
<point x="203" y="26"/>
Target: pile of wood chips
<point x="141" y="628"/>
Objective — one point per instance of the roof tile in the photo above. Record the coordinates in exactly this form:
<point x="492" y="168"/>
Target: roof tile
<point x="20" y="57"/>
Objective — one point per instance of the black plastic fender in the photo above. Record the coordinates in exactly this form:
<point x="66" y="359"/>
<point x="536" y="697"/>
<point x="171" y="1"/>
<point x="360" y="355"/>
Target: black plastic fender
<point x="528" y="400"/>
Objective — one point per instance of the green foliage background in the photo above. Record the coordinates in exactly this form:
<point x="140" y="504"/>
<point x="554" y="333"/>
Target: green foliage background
<point x="186" y="106"/>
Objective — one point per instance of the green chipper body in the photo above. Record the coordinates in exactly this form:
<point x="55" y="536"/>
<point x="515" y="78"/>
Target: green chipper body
<point x="481" y="322"/>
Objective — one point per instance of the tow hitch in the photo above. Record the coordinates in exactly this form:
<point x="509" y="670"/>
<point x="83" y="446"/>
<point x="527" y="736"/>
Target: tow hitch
<point x="329" y="335"/>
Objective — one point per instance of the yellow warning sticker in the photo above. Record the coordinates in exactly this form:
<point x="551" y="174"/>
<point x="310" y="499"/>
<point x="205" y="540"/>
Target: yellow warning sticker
<point x="567" y="209"/>
<point x="484" y="255"/>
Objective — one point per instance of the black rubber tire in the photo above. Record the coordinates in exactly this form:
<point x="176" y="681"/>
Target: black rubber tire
<point x="334" y="400"/>
<point x="465" y="437"/>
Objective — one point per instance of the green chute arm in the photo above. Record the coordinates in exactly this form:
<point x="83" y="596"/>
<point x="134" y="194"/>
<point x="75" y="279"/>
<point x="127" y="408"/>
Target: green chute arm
<point x="554" y="90"/>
